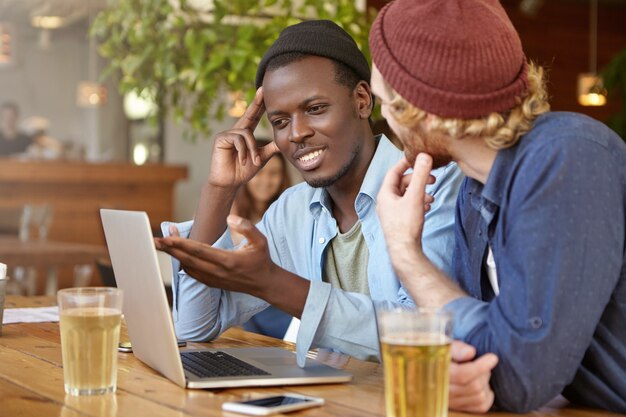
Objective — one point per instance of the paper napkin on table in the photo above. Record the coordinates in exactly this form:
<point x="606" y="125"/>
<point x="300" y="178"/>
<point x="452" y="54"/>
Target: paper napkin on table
<point x="30" y="315"/>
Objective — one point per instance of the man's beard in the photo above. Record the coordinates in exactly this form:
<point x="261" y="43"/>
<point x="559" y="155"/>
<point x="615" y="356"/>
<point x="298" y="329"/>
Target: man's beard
<point x="327" y="182"/>
<point x="441" y="160"/>
<point x="434" y="148"/>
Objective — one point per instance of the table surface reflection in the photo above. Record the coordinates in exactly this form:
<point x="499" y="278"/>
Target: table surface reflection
<point x="31" y="381"/>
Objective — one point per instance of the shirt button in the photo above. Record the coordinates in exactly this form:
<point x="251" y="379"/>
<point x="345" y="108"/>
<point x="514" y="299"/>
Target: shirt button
<point x="536" y="322"/>
<point x="321" y="240"/>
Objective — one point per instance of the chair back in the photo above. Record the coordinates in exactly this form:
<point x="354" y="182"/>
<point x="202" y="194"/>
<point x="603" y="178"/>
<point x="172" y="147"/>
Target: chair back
<point x="37" y="220"/>
<point x="27" y="221"/>
<point x="11" y="220"/>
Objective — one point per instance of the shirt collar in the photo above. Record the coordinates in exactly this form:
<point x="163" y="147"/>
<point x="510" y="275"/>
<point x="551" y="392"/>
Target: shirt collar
<point x="499" y="175"/>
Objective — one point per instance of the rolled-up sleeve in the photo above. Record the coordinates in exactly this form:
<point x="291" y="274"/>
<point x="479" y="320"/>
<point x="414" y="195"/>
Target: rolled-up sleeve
<point x="438" y="234"/>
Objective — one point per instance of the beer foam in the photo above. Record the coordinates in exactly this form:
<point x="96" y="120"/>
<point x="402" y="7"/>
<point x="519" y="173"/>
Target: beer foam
<point x="412" y="339"/>
<point x="91" y="311"/>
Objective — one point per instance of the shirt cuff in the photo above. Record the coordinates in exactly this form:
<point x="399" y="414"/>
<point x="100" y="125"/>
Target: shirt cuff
<point x="183" y="228"/>
<point x="468" y="314"/>
<point x="316" y="301"/>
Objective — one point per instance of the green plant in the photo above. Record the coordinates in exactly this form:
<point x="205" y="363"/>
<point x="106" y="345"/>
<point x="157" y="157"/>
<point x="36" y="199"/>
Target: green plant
<point x="614" y="79"/>
<point x="187" y="53"/>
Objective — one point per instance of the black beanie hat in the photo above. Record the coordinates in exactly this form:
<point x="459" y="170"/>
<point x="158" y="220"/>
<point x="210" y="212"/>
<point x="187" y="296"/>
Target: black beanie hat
<point x="317" y="37"/>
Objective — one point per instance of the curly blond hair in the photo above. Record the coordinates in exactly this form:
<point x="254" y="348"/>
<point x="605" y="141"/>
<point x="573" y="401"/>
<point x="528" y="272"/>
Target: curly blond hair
<point x="499" y="130"/>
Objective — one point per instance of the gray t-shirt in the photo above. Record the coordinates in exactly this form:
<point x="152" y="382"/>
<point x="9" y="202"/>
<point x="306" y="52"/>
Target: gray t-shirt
<point x="346" y="261"/>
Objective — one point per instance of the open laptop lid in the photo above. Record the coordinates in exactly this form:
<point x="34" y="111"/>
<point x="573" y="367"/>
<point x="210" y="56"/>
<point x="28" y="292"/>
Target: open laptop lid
<point x="146" y="311"/>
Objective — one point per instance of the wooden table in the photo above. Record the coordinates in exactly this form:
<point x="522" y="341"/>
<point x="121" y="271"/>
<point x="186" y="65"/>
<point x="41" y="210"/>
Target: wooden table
<point x="31" y="382"/>
<point x="48" y="255"/>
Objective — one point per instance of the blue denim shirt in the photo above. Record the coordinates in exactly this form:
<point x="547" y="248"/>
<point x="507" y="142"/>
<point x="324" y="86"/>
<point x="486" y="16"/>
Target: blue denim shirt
<point x="298" y="227"/>
<point x="552" y="211"/>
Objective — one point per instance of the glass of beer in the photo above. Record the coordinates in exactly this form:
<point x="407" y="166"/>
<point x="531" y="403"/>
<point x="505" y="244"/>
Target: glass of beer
<point x="415" y="347"/>
<point x="90" y="331"/>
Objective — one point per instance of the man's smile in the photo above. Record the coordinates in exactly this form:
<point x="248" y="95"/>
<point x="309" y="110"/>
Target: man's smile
<point x="309" y="159"/>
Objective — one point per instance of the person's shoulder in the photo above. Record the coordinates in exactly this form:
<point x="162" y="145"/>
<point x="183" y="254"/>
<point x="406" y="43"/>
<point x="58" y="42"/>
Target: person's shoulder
<point x="568" y="128"/>
<point x="564" y="139"/>
<point x="562" y="134"/>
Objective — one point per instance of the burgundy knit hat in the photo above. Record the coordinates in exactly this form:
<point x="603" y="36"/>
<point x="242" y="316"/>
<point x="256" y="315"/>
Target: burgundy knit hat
<point x="451" y="58"/>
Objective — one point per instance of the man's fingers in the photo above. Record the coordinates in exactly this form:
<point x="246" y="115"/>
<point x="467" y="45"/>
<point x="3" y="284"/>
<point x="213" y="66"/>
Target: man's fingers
<point x="244" y="143"/>
<point x="242" y="149"/>
<point x="253" y="114"/>
<point x="191" y="252"/>
<point x="461" y="351"/>
<point x="267" y="151"/>
<point x="464" y="373"/>
<point x="251" y="148"/>
<point x="421" y="175"/>
<point x="247" y="229"/>
<point x="173" y="230"/>
<point x="469" y="381"/>
<point x="478" y="403"/>
<point x="393" y="179"/>
<point x="404" y="183"/>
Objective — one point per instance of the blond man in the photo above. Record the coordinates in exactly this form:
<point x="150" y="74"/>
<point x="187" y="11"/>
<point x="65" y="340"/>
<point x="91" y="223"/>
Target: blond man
<point x="539" y="276"/>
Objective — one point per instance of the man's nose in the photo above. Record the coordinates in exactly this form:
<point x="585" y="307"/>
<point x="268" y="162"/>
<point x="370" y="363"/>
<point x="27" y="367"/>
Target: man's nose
<point x="300" y="129"/>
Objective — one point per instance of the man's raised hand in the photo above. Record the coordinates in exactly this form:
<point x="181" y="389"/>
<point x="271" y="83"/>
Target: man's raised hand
<point x="236" y="158"/>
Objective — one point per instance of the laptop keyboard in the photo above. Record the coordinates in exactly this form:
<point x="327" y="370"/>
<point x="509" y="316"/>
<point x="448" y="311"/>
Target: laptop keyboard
<point x="217" y="364"/>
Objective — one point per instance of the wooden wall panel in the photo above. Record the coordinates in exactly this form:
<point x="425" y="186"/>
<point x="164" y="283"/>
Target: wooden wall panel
<point x="77" y="191"/>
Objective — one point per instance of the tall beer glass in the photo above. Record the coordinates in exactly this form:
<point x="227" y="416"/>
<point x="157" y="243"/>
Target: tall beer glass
<point x="90" y="331"/>
<point x="415" y="347"/>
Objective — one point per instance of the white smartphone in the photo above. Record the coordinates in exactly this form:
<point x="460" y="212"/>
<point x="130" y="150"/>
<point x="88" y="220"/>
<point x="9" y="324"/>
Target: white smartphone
<point x="273" y="405"/>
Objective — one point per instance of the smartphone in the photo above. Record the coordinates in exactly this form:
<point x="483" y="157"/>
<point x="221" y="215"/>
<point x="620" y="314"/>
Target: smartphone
<point x="273" y="405"/>
<point x="127" y="347"/>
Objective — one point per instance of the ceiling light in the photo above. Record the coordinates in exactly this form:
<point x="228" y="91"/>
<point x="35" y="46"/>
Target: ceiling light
<point x="91" y="94"/>
<point x="140" y="154"/>
<point x="590" y="90"/>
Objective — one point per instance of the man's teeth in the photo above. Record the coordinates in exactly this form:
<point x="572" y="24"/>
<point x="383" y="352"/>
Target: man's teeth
<point x="310" y="156"/>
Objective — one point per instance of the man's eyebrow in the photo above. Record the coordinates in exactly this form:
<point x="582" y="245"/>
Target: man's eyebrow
<point x="304" y="103"/>
<point x="310" y="99"/>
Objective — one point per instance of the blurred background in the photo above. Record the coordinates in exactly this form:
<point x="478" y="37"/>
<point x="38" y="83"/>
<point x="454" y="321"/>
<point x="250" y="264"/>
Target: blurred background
<point x="113" y="103"/>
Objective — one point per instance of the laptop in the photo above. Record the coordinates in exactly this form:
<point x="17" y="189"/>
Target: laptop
<point x="148" y="318"/>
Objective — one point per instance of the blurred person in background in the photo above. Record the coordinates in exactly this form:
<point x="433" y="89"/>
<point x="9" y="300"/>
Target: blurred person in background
<point x="251" y="202"/>
<point x="12" y="140"/>
<point x="42" y="146"/>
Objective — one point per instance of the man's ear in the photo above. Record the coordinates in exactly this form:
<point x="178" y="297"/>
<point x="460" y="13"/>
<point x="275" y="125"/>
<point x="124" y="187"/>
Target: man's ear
<point x="363" y="94"/>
